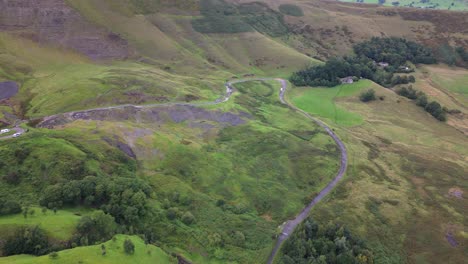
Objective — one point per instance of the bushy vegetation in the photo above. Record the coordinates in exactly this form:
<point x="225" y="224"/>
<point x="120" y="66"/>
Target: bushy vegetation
<point x="291" y="10"/>
<point x="26" y="240"/>
<point x="9" y="206"/>
<point x="393" y="51"/>
<point x="367" y="96"/>
<point x="129" y="247"/>
<point x="462" y="53"/>
<point x="333" y="243"/>
<point x="433" y="108"/>
<point x="95" y="228"/>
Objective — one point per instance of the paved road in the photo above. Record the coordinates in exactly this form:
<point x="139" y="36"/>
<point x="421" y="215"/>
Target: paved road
<point x="290" y="225"/>
<point x="16" y="129"/>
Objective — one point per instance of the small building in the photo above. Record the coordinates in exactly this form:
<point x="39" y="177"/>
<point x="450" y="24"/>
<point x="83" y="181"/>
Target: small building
<point x="383" y="64"/>
<point x="347" y="80"/>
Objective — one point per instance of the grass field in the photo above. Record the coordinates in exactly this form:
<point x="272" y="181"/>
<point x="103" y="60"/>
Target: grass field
<point x="404" y="165"/>
<point x="59" y="226"/>
<point x="455" y="5"/>
<point x="322" y="101"/>
<point x="93" y="254"/>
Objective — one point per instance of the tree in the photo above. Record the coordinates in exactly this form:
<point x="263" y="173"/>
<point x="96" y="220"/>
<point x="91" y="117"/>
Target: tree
<point x="26" y="240"/>
<point x="96" y="227"/>
<point x="9" y="207"/>
<point x="188" y="218"/>
<point x="422" y="100"/>
<point x="367" y="96"/>
<point x="129" y="247"/>
<point x="32" y="212"/>
<point x="44" y="210"/>
<point x="25" y="212"/>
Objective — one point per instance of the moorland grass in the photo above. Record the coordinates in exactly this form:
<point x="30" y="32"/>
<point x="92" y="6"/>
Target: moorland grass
<point x="395" y="194"/>
<point x="433" y="4"/>
<point x="93" y="254"/>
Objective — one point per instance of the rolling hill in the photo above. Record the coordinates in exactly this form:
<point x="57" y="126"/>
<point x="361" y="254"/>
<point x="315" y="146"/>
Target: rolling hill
<point x="214" y="183"/>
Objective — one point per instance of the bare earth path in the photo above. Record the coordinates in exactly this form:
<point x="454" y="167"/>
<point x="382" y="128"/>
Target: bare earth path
<point x="290" y="225"/>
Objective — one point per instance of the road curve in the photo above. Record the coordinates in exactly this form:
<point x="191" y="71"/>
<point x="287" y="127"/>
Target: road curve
<point x="290" y="225"/>
<point x="17" y="130"/>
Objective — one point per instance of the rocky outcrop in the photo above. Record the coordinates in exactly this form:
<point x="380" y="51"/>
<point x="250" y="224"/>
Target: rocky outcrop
<point x="8" y="89"/>
<point x="157" y="115"/>
<point x="54" y="22"/>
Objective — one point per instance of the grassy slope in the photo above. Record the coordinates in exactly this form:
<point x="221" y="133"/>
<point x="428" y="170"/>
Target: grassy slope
<point x="63" y="81"/>
<point x="93" y="254"/>
<point x="321" y="101"/>
<point x="403" y="164"/>
<point x="59" y="226"/>
<point x="446" y="85"/>
<point x="170" y="39"/>
<point x="264" y="171"/>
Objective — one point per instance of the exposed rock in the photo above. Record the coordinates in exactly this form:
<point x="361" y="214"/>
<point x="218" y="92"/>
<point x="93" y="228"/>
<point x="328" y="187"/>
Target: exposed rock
<point x="161" y="115"/>
<point x="8" y="89"/>
<point x="120" y="145"/>
<point x="54" y="22"/>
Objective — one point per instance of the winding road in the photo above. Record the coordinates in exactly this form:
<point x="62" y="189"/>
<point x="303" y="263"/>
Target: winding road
<point x="290" y="225"/>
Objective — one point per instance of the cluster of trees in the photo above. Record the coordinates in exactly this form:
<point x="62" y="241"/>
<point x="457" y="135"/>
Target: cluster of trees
<point x="433" y="108"/>
<point x="125" y="199"/>
<point x="95" y="228"/>
<point x="8" y="206"/>
<point x="330" y="73"/>
<point x="394" y="51"/>
<point x="27" y="240"/>
<point x="334" y="243"/>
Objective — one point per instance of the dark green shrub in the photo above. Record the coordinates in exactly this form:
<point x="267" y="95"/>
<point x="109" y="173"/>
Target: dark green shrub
<point x="129" y="247"/>
<point x="9" y="207"/>
<point x="27" y="240"/>
<point x="188" y="218"/>
<point x="367" y="96"/>
<point x="96" y="227"/>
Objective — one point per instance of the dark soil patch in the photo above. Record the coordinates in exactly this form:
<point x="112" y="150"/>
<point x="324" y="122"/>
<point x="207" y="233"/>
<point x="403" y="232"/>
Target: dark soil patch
<point x="121" y="146"/>
<point x="8" y="89"/>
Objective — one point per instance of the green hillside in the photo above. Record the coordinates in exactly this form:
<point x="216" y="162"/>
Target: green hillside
<point x="215" y="183"/>
<point x="93" y="254"/>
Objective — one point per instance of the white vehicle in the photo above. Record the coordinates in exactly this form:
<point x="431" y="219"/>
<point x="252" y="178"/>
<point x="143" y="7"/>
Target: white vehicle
<point x="15" y="135"/>
<point x="3" y="131"/>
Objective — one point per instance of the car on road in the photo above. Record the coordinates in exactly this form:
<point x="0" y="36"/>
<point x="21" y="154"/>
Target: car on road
<point x="3" y="131"/>
<point x="15" y="135"/>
